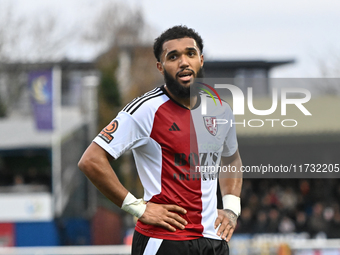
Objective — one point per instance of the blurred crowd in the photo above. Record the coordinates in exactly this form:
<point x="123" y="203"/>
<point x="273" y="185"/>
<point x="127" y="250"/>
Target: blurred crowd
<point x="291" y="206"/>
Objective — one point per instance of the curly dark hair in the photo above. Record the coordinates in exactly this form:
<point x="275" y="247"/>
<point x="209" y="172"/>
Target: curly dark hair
<point x="175" y="32"/>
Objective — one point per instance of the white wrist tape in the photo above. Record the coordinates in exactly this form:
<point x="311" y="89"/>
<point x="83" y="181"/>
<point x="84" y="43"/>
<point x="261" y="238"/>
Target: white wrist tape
<point x="232" y="203"/>
<point x="133" y="205"/>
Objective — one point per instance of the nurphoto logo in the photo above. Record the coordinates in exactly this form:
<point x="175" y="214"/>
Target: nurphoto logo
<point x="239" y="104"/>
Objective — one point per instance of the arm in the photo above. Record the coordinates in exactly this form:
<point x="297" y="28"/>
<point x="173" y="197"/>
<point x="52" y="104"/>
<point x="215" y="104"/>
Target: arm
<point x="230" y="184"/>
<point x="96" y="166"/>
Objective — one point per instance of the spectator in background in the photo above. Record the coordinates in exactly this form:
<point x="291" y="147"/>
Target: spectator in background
<point x="328" y="215"/>
<point x="261" y="223"/>
<point x="18" y="180"/>
<point x="273" y="221"/>
<point x="297" y="202"/>
<point x="254" y="203"/>
<point x="319" y="191"/>
<point x="32" y="174"/>
<point x="286" y="225"/>
<point x="305" y="197"/>
<point x="273" y="196"/>
<point x="334" y="230"/>
<point x="247" y="191"/>
<point x="245" y="221"/>
<point x="316" y="222"/>
<point x="337" y="193"/>
<point x="301" y="222"/>
<point x="19" y="184"/>
<point x="265" y="202"/>
<point x="289" y="200"/>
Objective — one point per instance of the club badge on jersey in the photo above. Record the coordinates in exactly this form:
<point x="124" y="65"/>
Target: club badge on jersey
<point x="209" y="123"/>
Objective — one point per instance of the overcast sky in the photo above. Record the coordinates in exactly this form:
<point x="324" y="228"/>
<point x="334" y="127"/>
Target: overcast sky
<point x="245" y="29"/>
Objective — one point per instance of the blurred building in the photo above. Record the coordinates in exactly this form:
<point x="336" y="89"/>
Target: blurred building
<point x="246" y="73"/>
<point x="38" y="195"/>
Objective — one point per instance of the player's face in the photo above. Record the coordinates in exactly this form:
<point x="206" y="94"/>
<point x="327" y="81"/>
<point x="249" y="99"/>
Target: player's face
<point x="181" y="60"/>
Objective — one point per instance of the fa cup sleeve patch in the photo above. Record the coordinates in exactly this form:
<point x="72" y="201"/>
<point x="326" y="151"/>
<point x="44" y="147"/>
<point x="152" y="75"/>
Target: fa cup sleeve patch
<point x="106" y="133"/>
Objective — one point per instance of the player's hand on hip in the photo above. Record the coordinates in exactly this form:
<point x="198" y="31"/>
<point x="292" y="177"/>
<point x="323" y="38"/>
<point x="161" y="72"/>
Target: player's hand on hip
<point x="226" y="222"/>
<point x="164" y="216"/>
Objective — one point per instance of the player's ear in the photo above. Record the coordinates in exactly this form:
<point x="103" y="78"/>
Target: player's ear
<point x="160" y="67"/>
<point x="202" y="60"/>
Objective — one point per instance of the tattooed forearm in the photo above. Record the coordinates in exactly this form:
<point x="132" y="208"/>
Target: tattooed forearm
<point x="232" y="217"/>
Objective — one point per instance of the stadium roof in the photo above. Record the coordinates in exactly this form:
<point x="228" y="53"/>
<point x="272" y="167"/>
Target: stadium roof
<point x="64" y="65"/>
<point x="18" y="132"/>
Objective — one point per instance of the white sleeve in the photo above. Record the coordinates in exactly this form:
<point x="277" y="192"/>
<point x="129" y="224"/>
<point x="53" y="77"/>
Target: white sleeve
<point x="122" y="134"/>
<point x="230" y="142"/>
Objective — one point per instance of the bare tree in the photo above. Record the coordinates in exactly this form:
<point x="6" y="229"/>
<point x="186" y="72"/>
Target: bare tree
<point x="119" y="24"/>
<point x="118" y="28"/>
<point x="25" y="39"/>
<point x="32" y="39"/>
<point x="10" y="27"/>
<point x="329" y="68"/>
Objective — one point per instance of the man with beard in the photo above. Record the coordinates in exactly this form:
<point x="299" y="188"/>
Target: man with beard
<point x="169" y="139"/>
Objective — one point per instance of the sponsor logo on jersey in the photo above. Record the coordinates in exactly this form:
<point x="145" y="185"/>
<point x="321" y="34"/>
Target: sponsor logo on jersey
<point x="203" y="159"/>
<point x="209" y="123"/>
<point x="209" y="147"/>
<point x="106" y="133"/>
<point x="193" y="160"/>
<point x="174" y="127"/>
<point x="196" y="176"/>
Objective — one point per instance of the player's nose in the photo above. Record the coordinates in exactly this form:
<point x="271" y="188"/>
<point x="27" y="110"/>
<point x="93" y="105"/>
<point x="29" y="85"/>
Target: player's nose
<point x="183" y="62"/>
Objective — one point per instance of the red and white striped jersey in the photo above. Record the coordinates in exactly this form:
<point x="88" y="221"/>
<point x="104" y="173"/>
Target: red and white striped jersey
<point x="169" y="142"/>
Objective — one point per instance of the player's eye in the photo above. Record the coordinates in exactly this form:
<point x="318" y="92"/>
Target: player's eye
<point x="172" y="57"/>
<point x="191" y="53"/>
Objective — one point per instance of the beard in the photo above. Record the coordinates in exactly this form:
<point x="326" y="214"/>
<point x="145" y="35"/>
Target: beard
<point x="179" y="90"/>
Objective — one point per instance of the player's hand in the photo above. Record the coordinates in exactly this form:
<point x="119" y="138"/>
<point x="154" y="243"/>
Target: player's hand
<point x="226" y="222"/>
<point x="164" y="216"/>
